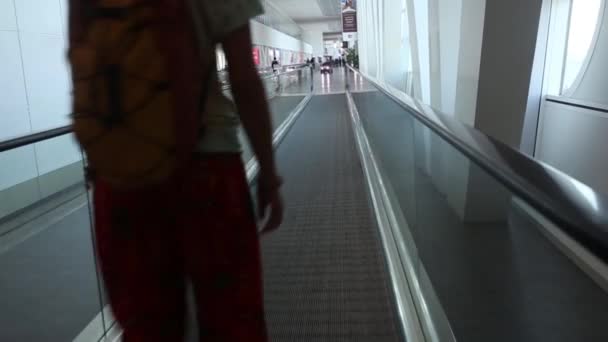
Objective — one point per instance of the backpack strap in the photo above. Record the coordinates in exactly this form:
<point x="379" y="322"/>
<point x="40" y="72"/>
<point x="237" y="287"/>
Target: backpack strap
<point x="189" y="86"/>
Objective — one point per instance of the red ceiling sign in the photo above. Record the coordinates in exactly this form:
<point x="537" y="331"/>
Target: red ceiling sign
<point x="256" y="56"/>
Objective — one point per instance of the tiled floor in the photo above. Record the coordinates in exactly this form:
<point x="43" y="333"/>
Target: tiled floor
<point x="325" y="84"/>
<point x="336" y="82"/>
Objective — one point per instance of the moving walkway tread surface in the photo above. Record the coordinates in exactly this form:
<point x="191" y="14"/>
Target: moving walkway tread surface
<point x="325" y="273"/>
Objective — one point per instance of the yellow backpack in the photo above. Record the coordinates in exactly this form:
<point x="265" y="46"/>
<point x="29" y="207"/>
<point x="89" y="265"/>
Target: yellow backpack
<point x="139" y="89"/>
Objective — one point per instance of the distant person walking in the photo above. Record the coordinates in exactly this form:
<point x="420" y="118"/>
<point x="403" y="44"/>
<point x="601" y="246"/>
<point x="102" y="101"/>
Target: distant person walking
<point x="274" y="64"/>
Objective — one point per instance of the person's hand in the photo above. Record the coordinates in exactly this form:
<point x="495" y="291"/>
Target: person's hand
<point x="270" y="201"/>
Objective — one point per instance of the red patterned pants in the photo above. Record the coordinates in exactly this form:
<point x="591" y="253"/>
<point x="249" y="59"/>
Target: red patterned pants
<point x="200" y="228"/>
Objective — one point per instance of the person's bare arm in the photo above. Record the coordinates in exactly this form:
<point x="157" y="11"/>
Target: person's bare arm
<point x="252" y="107"/>
<point x="249" y="96"/>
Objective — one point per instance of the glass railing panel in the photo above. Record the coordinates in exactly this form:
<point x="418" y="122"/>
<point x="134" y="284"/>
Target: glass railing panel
<point x="489" y="266"/>
<point x="18" y="180"/>
<point x="48" y="274"/>
<point x="391" y="134"/>
<point x="492" y="258"/>
<point x="49" y="278"/>
<point x="59" y="163"/>
<point x="284" y="92"/>
<point x="39" y="171"/>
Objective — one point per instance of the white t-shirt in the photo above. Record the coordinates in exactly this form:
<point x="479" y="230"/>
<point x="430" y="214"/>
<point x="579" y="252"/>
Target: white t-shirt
<point x="216" y="19"/>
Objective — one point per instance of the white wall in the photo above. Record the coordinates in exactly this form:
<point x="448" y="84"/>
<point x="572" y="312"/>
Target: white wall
<point x="368" y="40"/>
<point x="420" y="11"/>
<point x="469" y="59"/>
<point x="449" y="48"/>
<point x="312" y="33"/>
<point x="34" y="86"/>
<point x="331" y="50"/>
<point x="394" y="69"/>
<point x="535" y="92"/>
<point x="574" y="140"/>
<point x="267" y="36"/>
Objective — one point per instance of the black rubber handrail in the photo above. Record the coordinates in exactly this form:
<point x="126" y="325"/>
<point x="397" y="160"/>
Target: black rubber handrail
<point x="33" y="138"/>
<point x="577" y="209"/>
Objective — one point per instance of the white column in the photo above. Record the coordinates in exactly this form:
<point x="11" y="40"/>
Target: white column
<point x="507" y="59"/>
<point x="506" y="65"/>
<point x="421" y="13"/>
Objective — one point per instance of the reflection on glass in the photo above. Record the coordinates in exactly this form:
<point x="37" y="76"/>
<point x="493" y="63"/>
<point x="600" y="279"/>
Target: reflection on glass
<point x="588" y="193"/>
<point x="485" y="264"/>
<point x="48" y="277"/>
<point x="32" y="173"/>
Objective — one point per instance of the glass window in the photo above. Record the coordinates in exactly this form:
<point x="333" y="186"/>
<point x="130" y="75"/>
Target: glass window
<point x="584" y="19"/>
<point x="406" y="48"/>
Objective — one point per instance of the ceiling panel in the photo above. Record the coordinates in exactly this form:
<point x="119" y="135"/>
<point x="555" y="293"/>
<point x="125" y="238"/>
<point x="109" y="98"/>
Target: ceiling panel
<point x="309" y="9"/>
<point x="335" y="26"/>
<point x="299" y="9"/>
<point x="325" y="26"/>
<point x="330" y="8"/>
